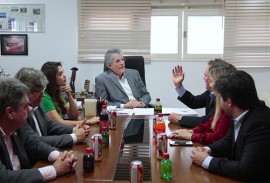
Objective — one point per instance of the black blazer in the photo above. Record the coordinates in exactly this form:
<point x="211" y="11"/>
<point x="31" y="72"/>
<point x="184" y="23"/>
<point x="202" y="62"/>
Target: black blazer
<point x="248" y="157"/>
<point x="53" y="133"/>
<point x="195" y="102"/>
<point x="23" y="144"/>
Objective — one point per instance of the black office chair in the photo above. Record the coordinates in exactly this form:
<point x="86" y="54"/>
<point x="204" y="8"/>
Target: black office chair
<point x="134" y="62"/>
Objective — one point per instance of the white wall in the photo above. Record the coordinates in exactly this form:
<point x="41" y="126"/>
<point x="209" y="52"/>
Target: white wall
<point x="59" y="42"/>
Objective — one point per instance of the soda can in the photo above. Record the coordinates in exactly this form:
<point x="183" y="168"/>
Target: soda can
<point x="112" y="119"/>
<point x="136" y="172"/>
<point x="161" y="147"/>
<point x="97" y="146"/>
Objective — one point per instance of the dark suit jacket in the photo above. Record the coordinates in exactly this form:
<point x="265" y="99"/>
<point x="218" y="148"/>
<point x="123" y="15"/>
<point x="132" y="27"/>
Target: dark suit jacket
<point x="248" y="157"/>
<point x="195" y="102"/>
<point x="23" y="145"/>
<point x="108" y="87"/>
<point x="53" y="133"/>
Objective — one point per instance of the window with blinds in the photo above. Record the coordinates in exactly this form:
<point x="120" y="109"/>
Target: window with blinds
<point x="247" y="33"/>
<point x="106" y="24"/>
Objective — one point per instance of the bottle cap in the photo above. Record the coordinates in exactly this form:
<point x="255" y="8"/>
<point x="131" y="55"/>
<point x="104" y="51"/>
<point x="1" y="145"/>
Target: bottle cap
<point x="160" y="115"/>
<point x="158" y="99"/>
<point x="104" y="128"/>
<point x="166" y="155"/>
<point x="104" y="107"/>
<point x="88" y="150"/>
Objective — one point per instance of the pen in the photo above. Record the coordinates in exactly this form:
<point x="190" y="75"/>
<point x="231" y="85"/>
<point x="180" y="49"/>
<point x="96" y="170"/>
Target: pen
<point x="166" y="114"/>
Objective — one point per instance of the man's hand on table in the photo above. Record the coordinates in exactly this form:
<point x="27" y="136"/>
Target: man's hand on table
<point x="174" y="118"/>
<point x="65" y="163"/>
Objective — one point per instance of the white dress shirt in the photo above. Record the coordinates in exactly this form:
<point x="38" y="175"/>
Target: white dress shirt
<point x="124" y="83"/>
<point x="47" y="172"/>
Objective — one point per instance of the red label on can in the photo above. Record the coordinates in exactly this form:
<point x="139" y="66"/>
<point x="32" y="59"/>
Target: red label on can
<point x="161" y="145"/>
<point x="136" y="172"/>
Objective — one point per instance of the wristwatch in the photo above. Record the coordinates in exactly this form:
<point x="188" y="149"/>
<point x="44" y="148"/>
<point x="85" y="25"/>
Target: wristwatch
<point x="142" y="103"/>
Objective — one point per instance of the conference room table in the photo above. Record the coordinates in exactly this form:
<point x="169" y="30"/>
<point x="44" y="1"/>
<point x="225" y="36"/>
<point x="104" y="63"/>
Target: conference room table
<point x="183" y="169"/>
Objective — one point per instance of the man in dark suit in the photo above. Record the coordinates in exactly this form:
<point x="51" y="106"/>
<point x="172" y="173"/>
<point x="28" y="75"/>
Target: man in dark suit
<point x="15" y="145"/>
<point x="244" y="152"/>
<point x="206" y="99"/>
<point x="51" y="132"/>
<point x="122" y="87"/>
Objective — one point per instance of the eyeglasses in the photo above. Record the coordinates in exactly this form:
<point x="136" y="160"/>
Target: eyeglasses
<point x="120" y="60"/>
<point x="39" y="92"/>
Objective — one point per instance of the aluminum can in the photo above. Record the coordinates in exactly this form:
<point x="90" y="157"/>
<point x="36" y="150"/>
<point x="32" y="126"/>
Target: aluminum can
<point x="112" y="119"/>
<point x="97" y="146"/>
<point x="136" y="172"/>
<point x="162" y="141"/>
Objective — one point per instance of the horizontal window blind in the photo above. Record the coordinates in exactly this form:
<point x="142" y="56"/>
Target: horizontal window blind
<point x="106" y="24"/>
<point x="247" y="33"/>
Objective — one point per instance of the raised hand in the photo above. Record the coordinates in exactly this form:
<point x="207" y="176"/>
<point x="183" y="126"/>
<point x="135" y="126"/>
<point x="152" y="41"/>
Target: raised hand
<point x="178" y="76"/>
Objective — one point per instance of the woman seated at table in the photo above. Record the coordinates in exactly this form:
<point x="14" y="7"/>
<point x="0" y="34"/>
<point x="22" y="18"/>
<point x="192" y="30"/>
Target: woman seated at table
<point x="219" y="124"/>
<point x="53" y="103"/>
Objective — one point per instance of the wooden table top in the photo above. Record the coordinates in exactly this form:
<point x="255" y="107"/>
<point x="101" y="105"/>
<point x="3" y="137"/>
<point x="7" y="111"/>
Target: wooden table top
<point x="183" y="168"/>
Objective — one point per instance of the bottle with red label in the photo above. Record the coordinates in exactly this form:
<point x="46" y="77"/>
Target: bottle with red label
<point x="88" y="160"/>
<point x="160" y="124"/>
<point x="104" y="118"/>
<point x="157" y="107"/>
<point x="105" y="137"/>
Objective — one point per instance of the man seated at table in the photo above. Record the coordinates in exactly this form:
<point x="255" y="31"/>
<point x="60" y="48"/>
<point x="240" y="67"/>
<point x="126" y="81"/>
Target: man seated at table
<point x="206" y="99"/>
<point x="55" y="134"/>
<point x="16" y="143"/>
<point x="244" y="152"/>
<point x="122" y="87"/>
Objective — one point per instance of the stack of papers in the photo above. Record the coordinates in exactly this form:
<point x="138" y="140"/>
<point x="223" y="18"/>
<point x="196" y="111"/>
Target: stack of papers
<point x="150" y="111"/>
<point x="181" y="111"/>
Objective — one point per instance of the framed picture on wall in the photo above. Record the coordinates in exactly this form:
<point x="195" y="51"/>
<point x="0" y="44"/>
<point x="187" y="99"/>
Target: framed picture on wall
<point x="14" y="44"/>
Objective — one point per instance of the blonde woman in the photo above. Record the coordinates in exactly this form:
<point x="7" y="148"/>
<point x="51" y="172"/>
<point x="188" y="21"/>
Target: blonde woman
<point x="219" y="124"/>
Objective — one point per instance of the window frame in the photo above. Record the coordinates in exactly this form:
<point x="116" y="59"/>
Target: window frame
<point x="193" y="12"/>
<point x="169" y="12"/>
<point x="182" y="27"/>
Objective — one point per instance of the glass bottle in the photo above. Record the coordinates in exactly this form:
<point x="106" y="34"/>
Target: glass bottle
<point x="88" y="160"/>
<point x="99" y="106"/>
<point x="158" y="107"/>
<point x="105" y="137"/>
<point x="104" y="118"/>
<point x="166" y="167"/>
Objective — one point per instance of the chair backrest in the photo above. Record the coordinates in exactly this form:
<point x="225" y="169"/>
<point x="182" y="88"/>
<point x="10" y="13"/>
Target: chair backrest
<point x="134" y="62"/>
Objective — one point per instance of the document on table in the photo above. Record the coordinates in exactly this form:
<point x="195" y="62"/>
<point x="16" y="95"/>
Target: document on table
<point x="121" y="111"/>
<point x="143" y="111"/>
<point x="181" y="111"/>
